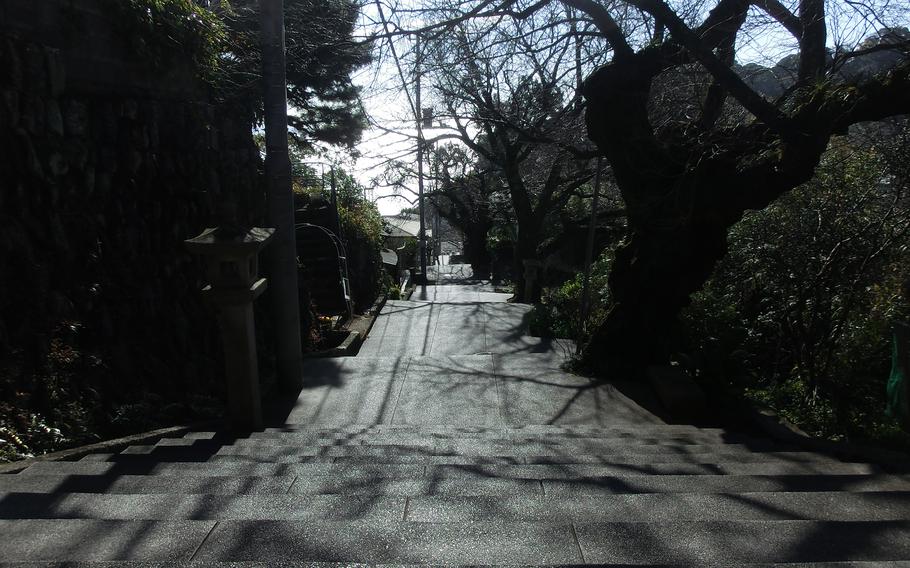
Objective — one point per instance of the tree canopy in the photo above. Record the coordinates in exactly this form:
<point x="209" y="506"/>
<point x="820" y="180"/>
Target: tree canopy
<point x="321" y="55"/>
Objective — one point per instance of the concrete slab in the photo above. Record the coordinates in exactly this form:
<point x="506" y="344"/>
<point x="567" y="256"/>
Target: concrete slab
<point x="724" y="543"/>
<point x="507" y="342"/>
<point x="96" y="540"/>
<point x="399" y="542"/>
<point x="401" y="328"/>
<point x="449" y="390"/>
<point x="459" y="341"/>
<point x="349" y="390"/>
<point x="467" y="319"/>
<point x="536" y="391"/>
<point x="200" y="507"/>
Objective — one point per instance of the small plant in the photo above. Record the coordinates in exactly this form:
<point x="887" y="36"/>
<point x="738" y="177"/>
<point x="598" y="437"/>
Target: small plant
<point x="559" y="313"/>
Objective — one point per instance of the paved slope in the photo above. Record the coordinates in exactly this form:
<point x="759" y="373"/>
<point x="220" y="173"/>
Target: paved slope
<point x="456" y="439"/>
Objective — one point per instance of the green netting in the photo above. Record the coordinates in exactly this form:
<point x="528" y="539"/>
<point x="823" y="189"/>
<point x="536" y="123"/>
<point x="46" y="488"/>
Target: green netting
<point x="899" y="381"/>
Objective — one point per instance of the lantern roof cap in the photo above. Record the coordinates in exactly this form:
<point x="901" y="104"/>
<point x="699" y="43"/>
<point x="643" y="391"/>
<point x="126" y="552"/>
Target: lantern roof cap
<point x="230" y="244"/>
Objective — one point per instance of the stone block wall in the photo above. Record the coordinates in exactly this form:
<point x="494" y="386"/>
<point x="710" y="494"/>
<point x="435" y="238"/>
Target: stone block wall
<point x="106" y="166"/>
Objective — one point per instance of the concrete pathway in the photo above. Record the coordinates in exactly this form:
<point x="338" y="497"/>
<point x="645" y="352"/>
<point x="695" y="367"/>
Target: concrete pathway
<point x="455" y="439"/>
<point x="461" y="356"/>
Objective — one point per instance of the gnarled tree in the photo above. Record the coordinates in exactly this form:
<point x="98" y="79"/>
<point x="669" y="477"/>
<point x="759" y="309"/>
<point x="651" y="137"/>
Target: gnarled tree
<point x="686" y="182"/>
<point x="466" y="196"/>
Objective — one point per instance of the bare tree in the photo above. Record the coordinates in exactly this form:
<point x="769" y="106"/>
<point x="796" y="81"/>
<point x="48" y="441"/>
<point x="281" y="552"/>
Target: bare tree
<point x="688" y="172"/>
<point x="469" y="195"/>
<point x="509" y="94"/>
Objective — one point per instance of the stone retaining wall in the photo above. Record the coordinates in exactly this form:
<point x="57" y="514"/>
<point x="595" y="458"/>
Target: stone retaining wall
<point x="106" y="165"/>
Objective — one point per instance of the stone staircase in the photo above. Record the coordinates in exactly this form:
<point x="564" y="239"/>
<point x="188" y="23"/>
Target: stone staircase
<point x="441" y="494"/>
<point x="454" y="439"/>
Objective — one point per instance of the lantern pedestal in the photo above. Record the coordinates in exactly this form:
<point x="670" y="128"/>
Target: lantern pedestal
<point x="231" y="258"/>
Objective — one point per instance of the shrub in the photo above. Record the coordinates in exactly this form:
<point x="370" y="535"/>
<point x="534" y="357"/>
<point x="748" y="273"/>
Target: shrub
<point x="797" y="315"/>
<point x="559" y="313"/>
<point x="361" y="225"/>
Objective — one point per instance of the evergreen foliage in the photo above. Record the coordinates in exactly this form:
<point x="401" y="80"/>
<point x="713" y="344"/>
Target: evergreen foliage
<point x="163" y="31"/>
<point x="321" y="55"/>
<point x="798" y="314"/>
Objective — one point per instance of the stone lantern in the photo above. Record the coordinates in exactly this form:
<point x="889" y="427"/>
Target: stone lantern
<point x="231" y="261"/>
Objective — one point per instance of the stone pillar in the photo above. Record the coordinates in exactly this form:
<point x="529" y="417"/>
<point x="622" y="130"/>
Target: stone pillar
<point x="231" y="257"/>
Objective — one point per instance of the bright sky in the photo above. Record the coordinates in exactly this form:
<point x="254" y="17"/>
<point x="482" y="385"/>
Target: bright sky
<point x="388" y="107"/>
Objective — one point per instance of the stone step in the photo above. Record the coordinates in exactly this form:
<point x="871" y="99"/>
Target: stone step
<point x="448" y="447"/>
<point x="78" y="540"/>
<point x="240" y="468"/>
<point x="532" y="429"/>
<point x="317" y="564"/>
<point x="143" y="484"/>
<point x="594" y="487"/>
<point x="371" y="454"/>
<point x="631" y="460"/>
<point x="162" y="507"/>
<point x="451" y="483"/>
<point x="719" y="543"/>
<point x="657" y="507"/>
<point x="641" y="507"/>
<point x="458" y="483"/>
<point x="623" y="438"/>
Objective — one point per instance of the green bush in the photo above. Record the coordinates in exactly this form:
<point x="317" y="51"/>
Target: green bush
<point x="559" y="313"/>
<point x="361" y="226"/>
<point x="797" y="315"/>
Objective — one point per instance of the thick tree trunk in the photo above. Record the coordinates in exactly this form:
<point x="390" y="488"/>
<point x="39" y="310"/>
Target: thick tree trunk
<point x="654" y="274"/>
<point x="478" y="255"/>
<point x="526" y="250"/>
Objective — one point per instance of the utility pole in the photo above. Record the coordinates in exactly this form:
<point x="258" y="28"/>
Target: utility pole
<point x="422" y="234"/>
<point x="282" y="255"/>
<point x="437" y="238"/>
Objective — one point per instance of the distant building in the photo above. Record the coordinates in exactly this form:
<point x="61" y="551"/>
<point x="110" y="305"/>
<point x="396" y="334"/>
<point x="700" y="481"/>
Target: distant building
<point x="402" y="227"/>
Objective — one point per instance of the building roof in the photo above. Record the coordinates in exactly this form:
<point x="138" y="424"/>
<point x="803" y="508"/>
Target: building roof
<point x="406" y="225"/>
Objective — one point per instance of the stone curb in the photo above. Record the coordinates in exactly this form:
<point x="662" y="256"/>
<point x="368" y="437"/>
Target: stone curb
<point x="780" y="429"/>
<point x="110" y="446"/>
<point x="350" y="346"/>
<point x="377" y="307"/>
